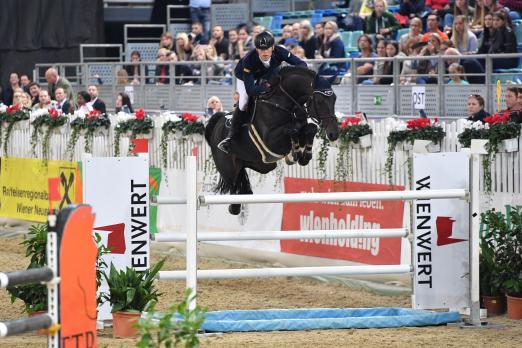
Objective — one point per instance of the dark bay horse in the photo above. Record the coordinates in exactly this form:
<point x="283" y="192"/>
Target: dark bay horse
<point x="279" y="129"/>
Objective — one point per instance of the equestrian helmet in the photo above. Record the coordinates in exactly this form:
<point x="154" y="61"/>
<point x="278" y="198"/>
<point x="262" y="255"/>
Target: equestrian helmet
<point x="264" y="40"/>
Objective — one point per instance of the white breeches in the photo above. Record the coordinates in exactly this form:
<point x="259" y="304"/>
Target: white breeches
<point x="243" y="96"/>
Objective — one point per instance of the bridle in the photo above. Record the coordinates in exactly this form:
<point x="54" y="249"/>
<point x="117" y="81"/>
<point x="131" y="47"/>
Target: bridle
<point x="315" y="114"/>
<point x="294" y="102"/>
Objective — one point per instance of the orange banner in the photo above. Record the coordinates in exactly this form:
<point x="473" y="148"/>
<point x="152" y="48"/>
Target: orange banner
<point x="343" y="215"/>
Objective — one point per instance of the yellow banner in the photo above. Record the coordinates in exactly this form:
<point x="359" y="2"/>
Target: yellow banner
<point x="24" y="187"/>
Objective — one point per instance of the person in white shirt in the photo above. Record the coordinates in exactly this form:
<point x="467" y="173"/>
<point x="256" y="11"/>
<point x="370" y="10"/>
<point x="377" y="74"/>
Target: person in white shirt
<point x="62" y="104"/>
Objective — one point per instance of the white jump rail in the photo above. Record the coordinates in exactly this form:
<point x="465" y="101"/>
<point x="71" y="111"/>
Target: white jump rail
<point x="45" y="275"/>
<point x="194" y="201"/>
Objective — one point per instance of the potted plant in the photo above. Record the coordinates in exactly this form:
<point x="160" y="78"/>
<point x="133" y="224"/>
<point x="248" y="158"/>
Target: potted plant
<point x="353" y="134"/>
<point x="491" y="270"/>
<point x="88" y="125"/>
<point x="407" y="133"/>
<point x="34" y="296"/>
<point x="473" y="130"/>
<point x="45" y="123"/>
<point x="13" y="116"/>
<point x="137" y="126"/>
<point x="129" y="293"/>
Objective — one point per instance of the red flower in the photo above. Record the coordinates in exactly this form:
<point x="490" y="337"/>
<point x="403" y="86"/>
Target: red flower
<point x="94" y="114"/>
<point x="140" y="114"/>
<point x="54" y="113"/>
<point x="418" y="123"/>
<point x="498" y="118"/>
<point x="350" y="121"/>
<point x="187" y="116"/>
<point x="13" y="108"/>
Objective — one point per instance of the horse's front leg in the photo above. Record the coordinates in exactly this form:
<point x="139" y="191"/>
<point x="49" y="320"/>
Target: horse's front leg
<point x="306" y="142"/>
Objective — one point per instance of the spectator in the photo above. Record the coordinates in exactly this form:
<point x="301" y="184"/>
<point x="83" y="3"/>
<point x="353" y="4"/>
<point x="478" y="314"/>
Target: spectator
<point x="245" y="39"/>
<point x="332" y="47"/>
<point x="493" y="6"/>
<point x="26" y="101"/>
<point x="18" y="95"/>
<point x="45" y="101"/>
<point x="471" y="66"/>
<point x="235" y="50"/>
<point x="433" y="27"/>
<point x="515" y="8"/>
<point x="487" y="34"/>
<point x="477" y="23"/>
<point x="307" y="40"/>
<point x="456" y="72"/>
<point x="34" y="90"/>
<point x="286" y="35"/>
<point x="392" y="49"/>
<point x="378" y="66"/>
<point x="514" y="107"/>
<point x="293" y="40"/>
<point x="414" y="46"/>
<point x="476" y="110"/>
<point x="123" y="103"/>
<point x="382" y="23"/>
<point x="235" y="99"/>
<point x="14" y="82"/>
<point x="415" y="32"/>
<point x="463" y="39"/>
<point x="166" y="41"/>
<point x="216" y="69"/>
<point x="83" y="100"/>
<point x="503" y="41"/>
<point x="364" y="68"/>
<point x="183" y="47"/>
<point x="134" y="70"/>
<point x="459" y="8"/>
<point x="200" y="13"/>
<point x="428" y="67"/>
<point x="366" y="9"/>
<point x="25" y="81"/>
<point x="55" y="81"/>
<point x="95" y="102"/>
<point x="319" y="32"/>
<point x="162" y="70"/>
<point x="411" y="8"/>
<point x="122" y="78"/>
<point x="444" y="45"/>
<point x="438" y="7"/>
<point x="299" y="52"/>
<point x="197" y="36"/>
<point x="213" y="106"/>
<point x="62" y="104"/>
<point x="219" y="42"/>
<point x="256" y="30"/>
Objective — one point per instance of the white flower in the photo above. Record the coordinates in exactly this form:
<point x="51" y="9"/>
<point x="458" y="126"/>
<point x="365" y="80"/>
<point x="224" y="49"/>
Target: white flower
<point x="39" y="112"/>
<point x="172" y="117"/>
<point x="3" y="108"/>
<point x="477" y="125"/>
<point x="122" y="117"/>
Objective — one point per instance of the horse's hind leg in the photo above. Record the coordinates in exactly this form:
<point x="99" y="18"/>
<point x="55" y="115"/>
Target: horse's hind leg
<point x="306" y="141"/>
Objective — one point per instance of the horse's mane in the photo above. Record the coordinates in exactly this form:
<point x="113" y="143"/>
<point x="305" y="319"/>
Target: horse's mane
<point x="290" y="69"/>
<point x="322" y="83"/>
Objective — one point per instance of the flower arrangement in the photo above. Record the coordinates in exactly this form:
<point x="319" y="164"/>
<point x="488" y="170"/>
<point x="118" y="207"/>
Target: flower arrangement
<point x="88" y="124"/>
<point x="497" y="128"/>
<point x="133" y="125"/>
<point x="184" y="127"/>
<point x="352" y="129"/>
<point x="10" y="116"/>
<point x="473" y="130"/>
<point x="416" y="129"/>
<point x="44" y="122"/>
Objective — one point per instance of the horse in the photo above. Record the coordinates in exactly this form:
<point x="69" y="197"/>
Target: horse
<point x="278" y="128"/>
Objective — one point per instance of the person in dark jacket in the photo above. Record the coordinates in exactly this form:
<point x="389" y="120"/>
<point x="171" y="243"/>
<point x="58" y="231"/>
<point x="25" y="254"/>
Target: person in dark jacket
<point x="381" y="22"/>
<point x="307" y="40"/>
<point x="503" y="41"/>
<point x="476" y="108"/>
<point x="260" y="63"/>
<point x="332" y="47"/>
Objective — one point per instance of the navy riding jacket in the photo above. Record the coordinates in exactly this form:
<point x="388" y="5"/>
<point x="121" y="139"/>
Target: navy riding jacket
<point x="250" y="68"/>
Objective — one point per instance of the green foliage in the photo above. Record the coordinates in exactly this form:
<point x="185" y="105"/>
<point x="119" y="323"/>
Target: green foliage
<point x="179" y="325"/>
<point x="135" y="127"/>
<point x="130" y="290"/>
<point x="349" y="135"/>
<point x="182" y="127"/>
<point x="101" y="265"/>
<point x="49" y="123"/>
<point x="501" y="252"/>
<point x="352" y="133"/>
<point x="34" y="296"/>
<point x="323" y="152"/>
<point x="89" y="125"/>
<point x="11" y="119"/>
<point x="469" y="133"/>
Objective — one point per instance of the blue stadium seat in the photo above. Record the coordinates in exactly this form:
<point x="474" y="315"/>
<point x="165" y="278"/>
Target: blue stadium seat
<point x="346" y="36"/>
<point x="393" y="8"/>
<point x="401" y="32"/>
<point x="316" y="18"/>
<point x="277" y="22"/>
<point x="355" y="37"/>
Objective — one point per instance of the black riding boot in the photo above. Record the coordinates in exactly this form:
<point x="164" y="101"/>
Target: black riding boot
<point x="235" y="125"/>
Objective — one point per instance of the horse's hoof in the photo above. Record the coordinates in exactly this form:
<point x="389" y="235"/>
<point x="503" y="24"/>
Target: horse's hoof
<point x="289" y="161"/>
<point x="234" y="209"/>
<point x="305" y="159"/>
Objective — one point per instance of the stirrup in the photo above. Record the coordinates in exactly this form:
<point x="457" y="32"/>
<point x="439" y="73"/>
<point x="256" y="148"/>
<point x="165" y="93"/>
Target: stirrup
<point x="224" y="145"/>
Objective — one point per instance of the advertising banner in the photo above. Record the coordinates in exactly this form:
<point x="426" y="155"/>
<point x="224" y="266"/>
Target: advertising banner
<point x="118" y="191"/>
<point x="441" y="226"/>
<point x="25" y="191"/>
<point x="344" y="215"/>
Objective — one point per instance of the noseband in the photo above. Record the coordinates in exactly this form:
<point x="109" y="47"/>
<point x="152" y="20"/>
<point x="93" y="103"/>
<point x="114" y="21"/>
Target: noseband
<point x="315" y="114"/>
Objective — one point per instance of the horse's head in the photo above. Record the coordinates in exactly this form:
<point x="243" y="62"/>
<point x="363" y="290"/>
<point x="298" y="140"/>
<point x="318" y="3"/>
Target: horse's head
<point x="323" y="106"/>
<point x="298" y="82"/>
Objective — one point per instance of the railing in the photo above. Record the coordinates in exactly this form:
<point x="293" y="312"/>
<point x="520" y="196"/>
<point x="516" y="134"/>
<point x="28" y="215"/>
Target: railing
<point x="190" y="93"/>
<point x="368" y="165"/>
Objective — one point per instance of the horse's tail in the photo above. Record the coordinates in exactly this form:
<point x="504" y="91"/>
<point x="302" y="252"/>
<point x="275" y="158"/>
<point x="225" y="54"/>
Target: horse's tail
<point x="211" y="125"/>
<point x="240" y="185"/>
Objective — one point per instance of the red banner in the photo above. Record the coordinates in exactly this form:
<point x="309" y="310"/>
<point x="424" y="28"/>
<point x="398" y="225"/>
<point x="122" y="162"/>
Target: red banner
<point x="343" y="215"/>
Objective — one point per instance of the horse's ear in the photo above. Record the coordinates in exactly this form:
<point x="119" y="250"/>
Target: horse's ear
<point x="332" y="79"/>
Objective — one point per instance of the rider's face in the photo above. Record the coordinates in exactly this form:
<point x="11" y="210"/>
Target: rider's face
<point x="265" y="54"/>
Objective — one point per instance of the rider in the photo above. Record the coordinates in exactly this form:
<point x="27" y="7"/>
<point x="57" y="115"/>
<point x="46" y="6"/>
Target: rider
<point x="259" y="63"/>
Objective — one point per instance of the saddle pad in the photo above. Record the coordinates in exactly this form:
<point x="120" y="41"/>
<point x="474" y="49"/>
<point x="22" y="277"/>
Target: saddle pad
<point x="266" y="155"/>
